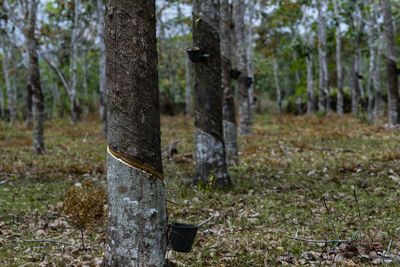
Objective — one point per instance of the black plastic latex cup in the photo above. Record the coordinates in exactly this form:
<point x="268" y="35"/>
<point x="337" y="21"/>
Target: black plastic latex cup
<point x="235" y="74"/>
<point x="182" y="236"/>
<point x="249" y="81"/>
<point x="194" y="54"/>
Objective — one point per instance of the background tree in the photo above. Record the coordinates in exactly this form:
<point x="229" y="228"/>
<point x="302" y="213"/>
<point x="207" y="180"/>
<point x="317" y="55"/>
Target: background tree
<point x="240" y="52"/>
<point x="229" y="110"/>
<point x="209" y="144"/>
<point x="391" y="65"/>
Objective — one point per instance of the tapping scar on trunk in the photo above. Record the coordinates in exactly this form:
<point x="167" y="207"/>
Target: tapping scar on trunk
<point x="135" y="165"/>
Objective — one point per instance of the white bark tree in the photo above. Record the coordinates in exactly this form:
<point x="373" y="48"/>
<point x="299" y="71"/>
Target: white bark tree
<point x="339" y="103"/>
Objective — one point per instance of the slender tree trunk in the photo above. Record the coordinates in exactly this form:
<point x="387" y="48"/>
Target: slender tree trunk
<point x="239" y="9"/>
<point x="297" y="77"/>
<point x="323" y="100"/>
<point x="102" y="70"/>
<point x="249" y="57"/>
<point x="339" y="103"/>
<point x="75" y="108"/>
<point x="188" y="87"/>
<point x="377" y="82"/>
<point x="229" y="111"/>
<point x="137" y="220"/>
<point x="55" y="92"/>
<point x="391" y="65"/>
<point x="372" y="41"/>
<point x="355" y="95"/>
<point x="278" y="88"/>
<point x="29" y="109"/>
<point x="34" y="80"/>
<point x="209" y="143"/>
<point x="310" y="86"/>
<point x="2" y="109"/>
<point x="11" y="101"/>
<point x="84" y="92"/>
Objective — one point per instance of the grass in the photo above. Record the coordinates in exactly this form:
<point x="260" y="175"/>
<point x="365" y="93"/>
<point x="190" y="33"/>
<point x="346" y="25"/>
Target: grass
<point x="287" y="167"/>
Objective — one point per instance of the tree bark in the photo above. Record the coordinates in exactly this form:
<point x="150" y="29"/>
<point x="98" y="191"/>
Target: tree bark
<point x="391" y="65"/>
<point x="102" y="66"/>
<point x="11" y="101"/>
<point x="29" y="96"/>
<point x="239" y="9"/>
<point x="250" y="64"/>
<point x="229" y="111"/>
<point x="74" y="103"/>
<point x="34" y="80"/>
<point x="188" y="87"/>
<point x="137" y="220"/>
<point x="355" y="95"/>
<point x="310" y="86"/>
<point x="209" y="144"/>
<point x="324" y="95"/>
<point x="339" y="103"/>
<point x="2" y="109"/>
<point x="278" y="88"/>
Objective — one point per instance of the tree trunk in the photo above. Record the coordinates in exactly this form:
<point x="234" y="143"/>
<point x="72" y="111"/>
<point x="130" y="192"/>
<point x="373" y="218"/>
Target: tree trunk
<point x="377" y="82"/>
<point x="229" y="111"/>
<point x="2" y="109"/>
<point x="391" y="65"/>
<point x="209" y="144"/>
<point x="297" y="77"/>
<point x="355" y="95"/>
<point x="29" y="96"/>
<point x="34" y="80"/>
<point x="372" y="44"/>
<point x="102" y="70"/>
<point x="188" y="87"/>
<point x="249" y="57"/>
<point x="240" y="44"/>
<point x="74" y="103"/>
<point x="278" y="88"/>
<point x="310" y="86"/>
<point x="339" y="103"/>
<point x="323" y="96"/>
<point x="137" y="220"/>
<point x="11" y="101"/>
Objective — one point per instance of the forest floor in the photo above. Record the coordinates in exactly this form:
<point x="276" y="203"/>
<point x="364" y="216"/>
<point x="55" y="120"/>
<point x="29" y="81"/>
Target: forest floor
<point x="297" y="176"/>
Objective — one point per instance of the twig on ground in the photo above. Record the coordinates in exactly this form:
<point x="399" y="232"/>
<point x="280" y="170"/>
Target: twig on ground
<point x="330" y="219"/>
<point x="2" y="182"/>
<point x="388" y="256"/>
<point x="359" y="216"/>
<point x="318" y="241"/>
<point x="172" y="202"/>
<point x="56" y="241"/>
<point x="390" y="244"/>
<point x="297" y="230"/>
<point x="206" y="221"/>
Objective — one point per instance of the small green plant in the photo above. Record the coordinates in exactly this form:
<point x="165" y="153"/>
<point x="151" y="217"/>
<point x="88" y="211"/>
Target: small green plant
<point x="321" y="113"/>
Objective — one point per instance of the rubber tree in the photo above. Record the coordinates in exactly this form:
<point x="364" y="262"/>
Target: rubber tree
<point x="278" y="88"/>
<point x="356" y="60"/>
<point x="249" y="57"/>
<point x="310" y="85"/>
<point x="102" y="65"/>
<point x="229" y="111"/>
<point x="34" y="80"/>
<point x="210" y="160"/>
<point x="324" y="95"/>
<point x="339" y="67"/>
<point x="240" y="53"/>
<point x="11" y="94"/>
<point x="391" y="65"/>
<point x="137" y="219"/>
